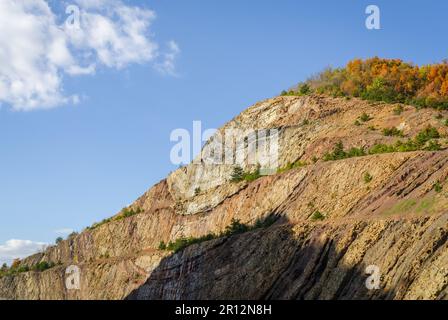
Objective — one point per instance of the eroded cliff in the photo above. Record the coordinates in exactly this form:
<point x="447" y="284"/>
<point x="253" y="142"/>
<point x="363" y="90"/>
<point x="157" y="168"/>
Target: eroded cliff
<point x="387" y="210"/>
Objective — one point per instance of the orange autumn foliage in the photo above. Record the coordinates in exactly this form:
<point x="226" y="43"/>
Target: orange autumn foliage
<point x="389" y="80"/>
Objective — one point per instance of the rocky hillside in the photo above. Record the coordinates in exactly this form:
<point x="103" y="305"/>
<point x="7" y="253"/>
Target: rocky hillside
<point x="346" y="198"/>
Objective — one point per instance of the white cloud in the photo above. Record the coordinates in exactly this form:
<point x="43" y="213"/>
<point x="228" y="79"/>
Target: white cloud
<point x="32" y="52"/>
<point x="13" y="249"/>
<point x="168" y="66"/>
<point x="113" y="32"/>
<point x="89" y="4"/>
<point x="36" y="51"/>
<point x="77" y="70"/>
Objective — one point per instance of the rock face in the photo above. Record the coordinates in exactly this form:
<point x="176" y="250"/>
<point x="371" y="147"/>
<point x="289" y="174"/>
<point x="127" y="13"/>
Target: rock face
<point x="379" y="239"/>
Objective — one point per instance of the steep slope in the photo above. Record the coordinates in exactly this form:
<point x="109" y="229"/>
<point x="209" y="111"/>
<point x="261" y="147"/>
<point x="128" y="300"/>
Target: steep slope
<point x="397" y="221"/>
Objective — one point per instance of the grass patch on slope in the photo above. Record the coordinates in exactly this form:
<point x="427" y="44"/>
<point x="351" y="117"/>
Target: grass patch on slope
<point x="424" y="205"/>
<point x="17" y="268"/>
<point x="125" y="213"/>
<point x="425" y="140"/>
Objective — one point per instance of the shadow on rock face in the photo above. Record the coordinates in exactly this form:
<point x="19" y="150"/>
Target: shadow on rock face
<point x="274" y="263"/>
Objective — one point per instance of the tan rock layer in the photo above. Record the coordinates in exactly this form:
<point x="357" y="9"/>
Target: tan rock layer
<point x="396" y="222"/>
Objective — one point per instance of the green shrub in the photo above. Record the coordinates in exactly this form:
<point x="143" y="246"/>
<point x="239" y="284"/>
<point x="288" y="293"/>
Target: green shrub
<point x="317" y="216"/>
<point x="381" y="148"/>
<point x="338" y="153"/>
<point x="355" y="152"/>
<point x="423" y="141"/>
<point x="398" y="110"/>
<point x="290" y="166"/>
<point x="162" y="245"/>
<point x="42" y="266"/>
<point x="304" y="89"/>
<point x="368" y="177"/>
<point x="59" y="240"/>
<point x="197" y="191"/>
<point x="379" y="90"/>
<point x="438" y="187"/>
<point x="237" y="174"/>
<point x="126" y="213"/>
<point x="183" y="242"/>
<point x="419" y="143"/>
<point x="426" y="134"/>
<point x="4" y="270"/>
<point x="392" y="132"/>
<point x="290" y="93"/>
<point x="252" y="176"/>
<point x="177" y="245"/>
<point x="407" y="146"/>
<point x="16" y="268"/>
<point x="357" y="123"/>
<point x="365" y="117"/>
<point x="96" y="225"/>
<point x="23" y="269"/>
<point x="235" y="227"/>
<point x="433" y="146"/>
<point x="72" y="235"/>
<point x="261" y="223"/>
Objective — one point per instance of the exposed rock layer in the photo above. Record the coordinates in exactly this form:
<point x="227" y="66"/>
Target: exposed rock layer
<point x="397" y="222"/>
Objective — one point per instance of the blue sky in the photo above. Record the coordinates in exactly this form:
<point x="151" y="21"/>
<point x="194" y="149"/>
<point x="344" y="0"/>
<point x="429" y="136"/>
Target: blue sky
<point x="83" y="160"/>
